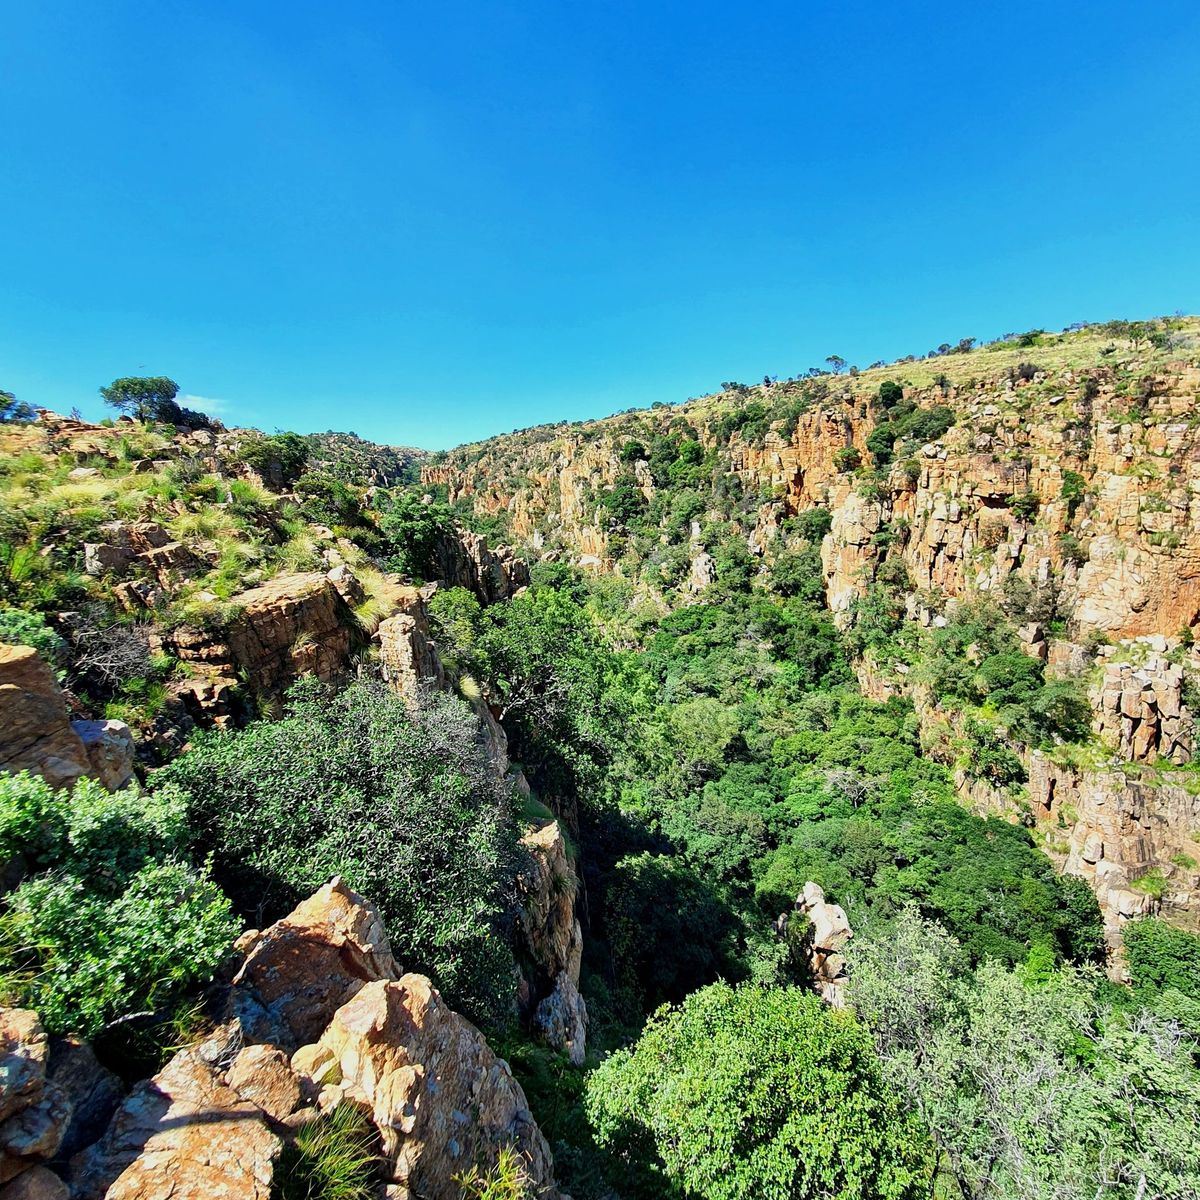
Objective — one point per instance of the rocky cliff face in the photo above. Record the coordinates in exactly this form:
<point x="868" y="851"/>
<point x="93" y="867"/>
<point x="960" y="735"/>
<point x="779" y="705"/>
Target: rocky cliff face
<point x="37" y="735"/>
<point x="1074" y="471"/>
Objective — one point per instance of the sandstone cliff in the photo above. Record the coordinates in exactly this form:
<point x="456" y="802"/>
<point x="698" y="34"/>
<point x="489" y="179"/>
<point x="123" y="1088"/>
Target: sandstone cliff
<point x="1071" y="466"/>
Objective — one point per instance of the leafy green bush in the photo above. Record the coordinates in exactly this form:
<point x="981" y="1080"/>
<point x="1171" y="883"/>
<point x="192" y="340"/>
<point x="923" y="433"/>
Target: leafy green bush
<point x="21" y="628"/>
<point x="847" y="459"/>
<point x="82" y="956"/>
<point x="402" y="802"/>
<point x="115" y="921"/>
<point x="757" y="1094"/>
<point x="411" y="531"/>
<point x="1160" y="956"/>
<point x="280" y="454"/>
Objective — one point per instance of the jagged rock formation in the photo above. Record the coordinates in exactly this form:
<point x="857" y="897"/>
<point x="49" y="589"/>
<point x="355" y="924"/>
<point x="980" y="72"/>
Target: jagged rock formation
<point x="825" y="938"/>
<point x="465" y="560"/>
<point x="319" y="1015"/>
<point x="37" y="736"/>
<point x="552" y="942"/>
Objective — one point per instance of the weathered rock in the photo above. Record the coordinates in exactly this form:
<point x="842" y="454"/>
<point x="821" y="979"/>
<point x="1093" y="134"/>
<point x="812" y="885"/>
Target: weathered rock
<point x="302" y="969"/>
<point x="34" y="1132"/>
<point x="38" y="1183"/>
<point x="561" y="1020"/>
<point x="465" y="560"/>
<point x="183" y="1134"/>
<point x="347" y="585"/>
<point x="35" y="734"/>
<point x="262" y="1075"/>
<point x="440" y="1098"/>
<point x="110" y="751"/>
<point x="24" y="1051"/>
<point x="407" y="654"/>
<point x="829" y="932"/>
<point x="93" y="1090"/>
<point x="551" y="941"/>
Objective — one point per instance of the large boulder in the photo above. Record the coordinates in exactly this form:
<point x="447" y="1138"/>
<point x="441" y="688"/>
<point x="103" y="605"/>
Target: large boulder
<point x="183" y="1134"/>
<point x="302" y="969"/>
<point x="439" y="1097"/>
<point x="35" y="734"/>
<point x="110" y="751"/>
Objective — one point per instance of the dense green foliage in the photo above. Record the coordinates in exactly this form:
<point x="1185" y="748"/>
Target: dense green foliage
<point x="111" y="919"/>
<point x="1161" y="958"/>
<point x="757" y="1094"/>
<point x="399" y="801"/>
<point x="1029" y="1083"/>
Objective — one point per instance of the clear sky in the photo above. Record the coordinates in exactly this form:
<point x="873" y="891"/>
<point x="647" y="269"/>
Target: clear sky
<point x="430" y="223"/>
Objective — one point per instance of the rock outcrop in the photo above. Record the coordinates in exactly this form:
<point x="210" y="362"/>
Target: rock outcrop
<point x="293" y="625"/>
<point x="465" y="560"/>
<point x="298" y="972"/>
<point x="319" y="1016"/>
<point x="34" y="1111"/>
<point x="828" y="931"/>
<point x="36" y="734"/>
<point x="552" y="943"/>
<point x="440" y="1099"/>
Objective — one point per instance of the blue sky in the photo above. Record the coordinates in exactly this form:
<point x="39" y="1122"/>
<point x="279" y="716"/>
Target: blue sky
<point x="431" y="223"/>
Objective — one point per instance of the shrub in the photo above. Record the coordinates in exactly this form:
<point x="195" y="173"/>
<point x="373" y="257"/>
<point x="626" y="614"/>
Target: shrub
<point x="749" y="1093"/>
<point x="82" y="958"/>
<point x="1160" y="956"/>
<point x="281" y="456"/>
<point x="847" y="459"/>
<point x="20" y="628"/>
<point x="403" y="803"/>
<point x="814" y="523"/>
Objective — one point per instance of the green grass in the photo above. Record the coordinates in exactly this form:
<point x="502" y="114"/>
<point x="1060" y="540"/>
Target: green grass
<point x="334" y="1157"/>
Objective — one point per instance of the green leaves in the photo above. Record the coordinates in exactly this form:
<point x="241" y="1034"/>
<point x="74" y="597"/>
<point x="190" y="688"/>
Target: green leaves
<point x="751" y="1093"/>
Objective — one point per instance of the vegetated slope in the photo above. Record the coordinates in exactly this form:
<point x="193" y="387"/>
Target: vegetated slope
<point x="717" y="691"/>
<point x="1036" y="498"/>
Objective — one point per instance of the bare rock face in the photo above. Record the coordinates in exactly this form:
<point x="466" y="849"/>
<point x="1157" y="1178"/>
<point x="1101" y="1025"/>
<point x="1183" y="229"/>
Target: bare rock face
<point x="406" y="651"/>
<point x="830" y="931"/>
<point x="110" y="751"/>
<point x="552" y="942"/>
<point x="291" y="626"/>
<point x="34" y="1112"/>
<point x="35" y="734"/>
<point x="262" y="1075"/>
<point x="302" y="969"/>
<point x="465" y="560"/>
<point x="182" y="1134"/>
<point x="440" y="1098"/>
<point x="1139" y="709"/>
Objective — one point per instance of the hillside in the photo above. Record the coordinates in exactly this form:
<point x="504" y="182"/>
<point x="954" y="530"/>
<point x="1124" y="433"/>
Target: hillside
<point x="1054" y="475"/>
<point x="786" y="793"/>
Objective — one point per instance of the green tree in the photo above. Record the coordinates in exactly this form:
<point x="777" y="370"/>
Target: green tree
<point x="755" y="1094"/>
<point x="401" y="801"/>
<point x="145" y="397"/>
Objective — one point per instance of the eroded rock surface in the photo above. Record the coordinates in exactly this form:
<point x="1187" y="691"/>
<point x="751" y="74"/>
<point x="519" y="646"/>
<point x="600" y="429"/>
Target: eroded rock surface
<point x="35" y="734"/>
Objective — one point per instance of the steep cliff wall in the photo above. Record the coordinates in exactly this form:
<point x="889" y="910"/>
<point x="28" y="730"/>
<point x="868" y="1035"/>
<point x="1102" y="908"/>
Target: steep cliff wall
<point x="1072" y="466"/>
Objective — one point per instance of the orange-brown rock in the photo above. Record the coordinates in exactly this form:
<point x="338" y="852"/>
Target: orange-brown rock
<point x="407" y="654"/>
<point x="439" y="1097"/>
<point x="35" y="734"/>
<point x="291" y="626"/>
<point x="302" y="969"/>
<point x="34" y="1111"/>
<point x="183" y="1134"/>
<point x="552" y="942"/>
<point x="262" y="1075"/>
